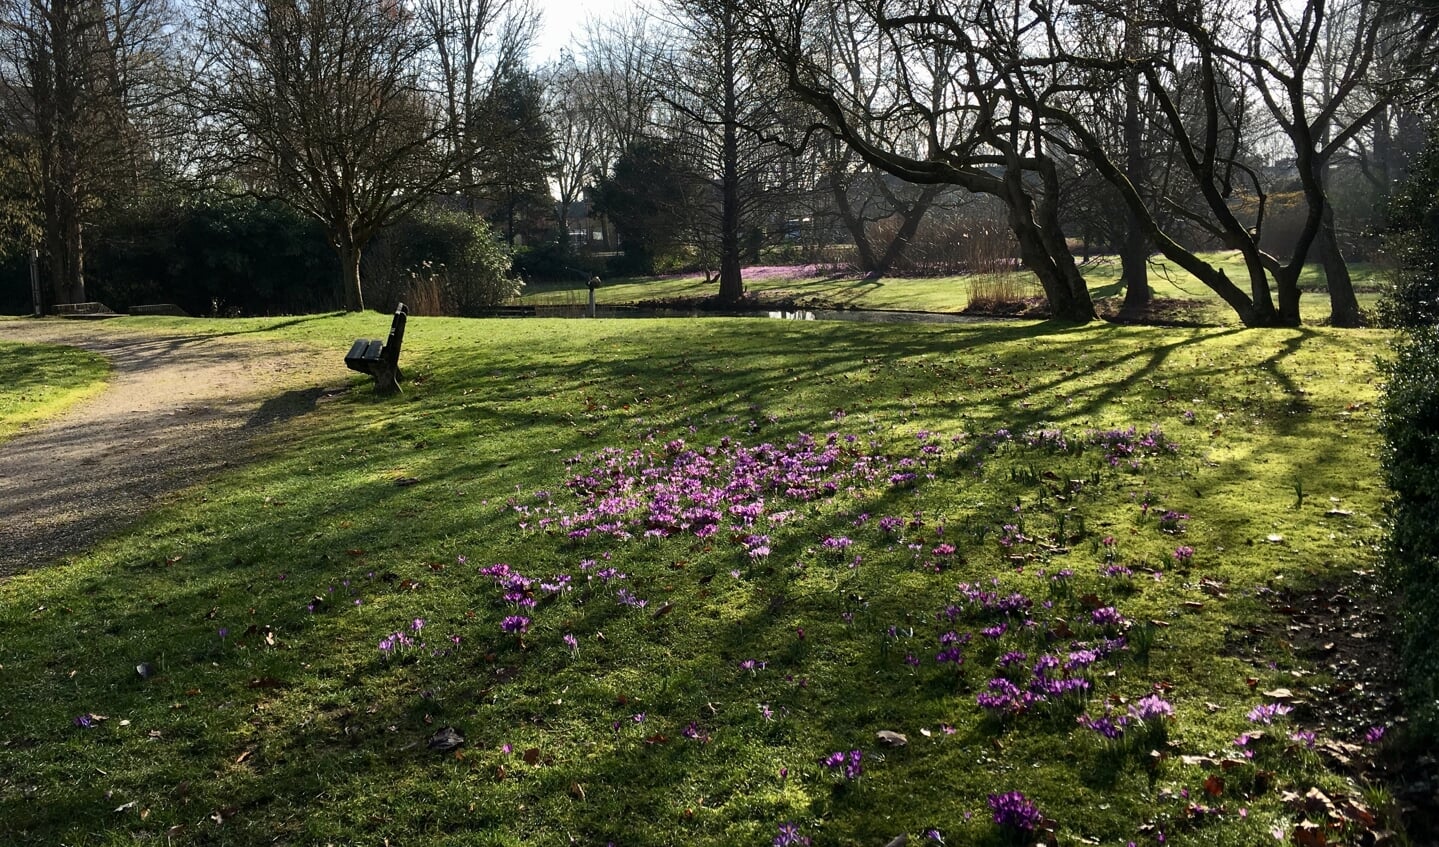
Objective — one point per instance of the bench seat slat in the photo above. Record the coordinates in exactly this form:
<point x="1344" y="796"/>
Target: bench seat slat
<point x="357" y="350"/>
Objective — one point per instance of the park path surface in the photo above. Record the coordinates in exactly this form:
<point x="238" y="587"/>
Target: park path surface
<point x="178" y="409"/>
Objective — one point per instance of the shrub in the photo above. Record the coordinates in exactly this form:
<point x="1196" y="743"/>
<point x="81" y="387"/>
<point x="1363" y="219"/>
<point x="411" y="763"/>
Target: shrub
<point x="550" y="261"/>
<point x="1412" y="298"/>
<point x="1411" y="468"/>
<point x="438" y="261"/>
<point x="999" y="293"/>
<point x="1410" y="427"/>
<point x="218" y="255"/>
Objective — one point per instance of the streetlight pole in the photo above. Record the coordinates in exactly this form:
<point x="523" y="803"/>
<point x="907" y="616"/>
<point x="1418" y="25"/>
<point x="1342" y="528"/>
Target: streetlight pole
<point x="35" y="281"/>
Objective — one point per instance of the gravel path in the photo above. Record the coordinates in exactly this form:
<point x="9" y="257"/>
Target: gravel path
<point x="179" y="408"/>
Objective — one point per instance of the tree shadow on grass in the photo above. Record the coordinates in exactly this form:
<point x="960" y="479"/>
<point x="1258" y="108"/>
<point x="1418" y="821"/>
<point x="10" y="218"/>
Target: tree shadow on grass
<point x="288" y="406"/>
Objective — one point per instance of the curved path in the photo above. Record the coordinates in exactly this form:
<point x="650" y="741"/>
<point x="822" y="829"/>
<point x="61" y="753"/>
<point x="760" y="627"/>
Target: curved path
<point x="178" y="408"/>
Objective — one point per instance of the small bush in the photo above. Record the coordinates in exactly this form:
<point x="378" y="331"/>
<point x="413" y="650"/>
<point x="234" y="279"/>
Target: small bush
<point x="999" y="293"/>
<point x="549" y="261"/>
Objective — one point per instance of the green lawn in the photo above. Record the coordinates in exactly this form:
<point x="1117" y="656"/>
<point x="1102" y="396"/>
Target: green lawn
<point x="43" y="381"/>
<point x="263" y="603"/>
<point x="951" y="293"/>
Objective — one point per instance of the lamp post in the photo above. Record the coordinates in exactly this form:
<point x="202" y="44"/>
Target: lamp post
<point x="35" y="281"/>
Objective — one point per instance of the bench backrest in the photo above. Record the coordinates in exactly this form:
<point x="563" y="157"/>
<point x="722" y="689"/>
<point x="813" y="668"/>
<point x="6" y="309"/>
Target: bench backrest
<point x="391" y="353"/>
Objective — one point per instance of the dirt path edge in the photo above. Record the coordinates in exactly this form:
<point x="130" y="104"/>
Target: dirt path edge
<point x="179" y="408"/>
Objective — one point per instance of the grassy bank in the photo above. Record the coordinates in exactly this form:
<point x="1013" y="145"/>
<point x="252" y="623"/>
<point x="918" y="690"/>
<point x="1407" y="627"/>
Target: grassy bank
<point x="705" y="596"/>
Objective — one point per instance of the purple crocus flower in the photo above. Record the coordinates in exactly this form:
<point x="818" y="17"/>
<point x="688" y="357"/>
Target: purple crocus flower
<point x="1106" y="616"/>
<point x="1015" y="811"/>
<point x="789" y="836"/>
<point x="1265" y="713"/>
<point x="1151" y="707"/>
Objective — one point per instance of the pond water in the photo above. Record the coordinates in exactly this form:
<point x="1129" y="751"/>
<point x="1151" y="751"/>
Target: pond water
<point x="876" y="316"/>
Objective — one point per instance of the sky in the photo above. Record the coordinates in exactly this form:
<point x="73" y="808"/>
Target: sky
<point x="563" y="23"/>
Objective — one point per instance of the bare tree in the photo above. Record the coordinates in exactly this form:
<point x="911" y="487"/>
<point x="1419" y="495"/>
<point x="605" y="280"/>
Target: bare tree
<point x="1039" y="90"/>
<point x="473" y="44"/>
<point x="323" y="103"/>
<point x="577" y="136"/>
<point x="618" y="81"/>
<point x="1223" y="76"/>
<point x="86" y="89"/>
<point x="726" y="108"/>
<point x="862" y="194"/>
<point x="1313" y="71"/>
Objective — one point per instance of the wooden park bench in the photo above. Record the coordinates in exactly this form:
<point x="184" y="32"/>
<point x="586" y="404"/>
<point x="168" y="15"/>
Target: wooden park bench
<point x="84" y="310"/>
<point x="381" y="361"/>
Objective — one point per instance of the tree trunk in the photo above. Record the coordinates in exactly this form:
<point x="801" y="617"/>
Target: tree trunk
<point x="731" y="284"/>
<point x="912" y="216"/>
<point x="58" y="112"/>
<point x="64" y="248"/>
<point x="510" y="216"/>
<point x="1343" y="304"/>
<point x="349" y="253"/>
<point x="63" y="232"/>
<point x="731" y="287"/>
<point x="1259" y="295"/>
<point x="1042" y="216"/>
<point x="839" y="189"/>
<point x="1063" y="304"/>
<point x="1134" y="267"/>
<point x="1134" y="253"/>
<point x="1067" y="300"/>
<point x="563" y="217"/>
<point x="1286" y="281"/>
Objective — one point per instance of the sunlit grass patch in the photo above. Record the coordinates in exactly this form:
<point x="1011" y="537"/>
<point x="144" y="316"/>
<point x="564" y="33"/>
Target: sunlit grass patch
<point x="42" y="381"/>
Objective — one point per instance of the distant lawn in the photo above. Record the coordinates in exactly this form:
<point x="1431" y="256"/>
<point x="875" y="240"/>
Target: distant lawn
<point x="950" y="293"/>
<point x="42" y="381"/>
<point x="657" y="573"/>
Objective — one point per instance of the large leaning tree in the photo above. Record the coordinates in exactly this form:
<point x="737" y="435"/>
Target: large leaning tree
<point x="324" y="104"/>
<point x="931" y="108"/>
<point x="1232" y="86"/>
<point x="1313" y="77"/>
<point x="1235" y="85"/>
